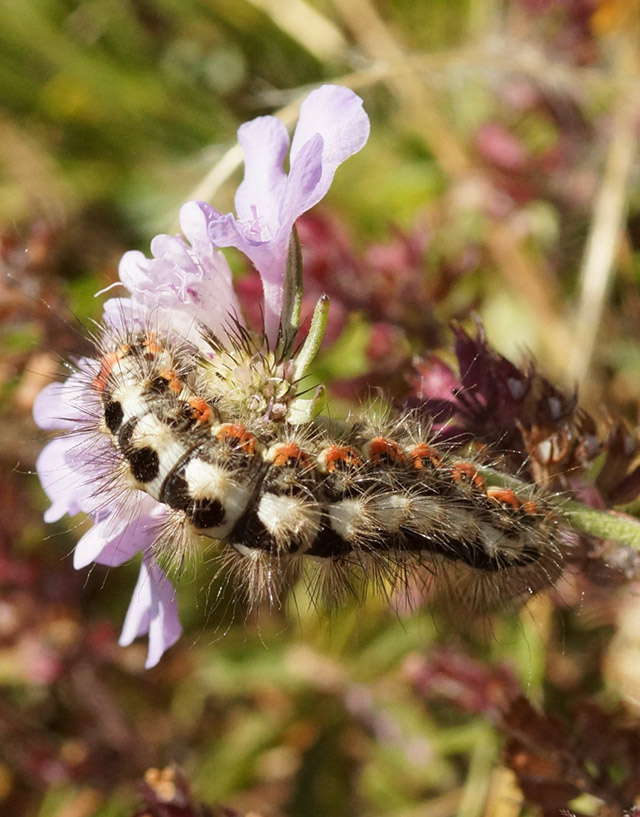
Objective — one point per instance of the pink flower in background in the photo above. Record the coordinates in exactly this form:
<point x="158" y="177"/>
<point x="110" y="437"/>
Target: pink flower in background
<point x="500" y="147"/>
<point x="184" y="286"/>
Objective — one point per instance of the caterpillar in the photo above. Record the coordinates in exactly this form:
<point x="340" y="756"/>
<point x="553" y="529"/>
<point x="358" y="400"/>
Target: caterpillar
<point x="207" y="435"/>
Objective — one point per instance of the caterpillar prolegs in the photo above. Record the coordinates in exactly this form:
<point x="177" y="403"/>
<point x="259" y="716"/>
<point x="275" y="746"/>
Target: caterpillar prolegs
<point x="208" y="435"/>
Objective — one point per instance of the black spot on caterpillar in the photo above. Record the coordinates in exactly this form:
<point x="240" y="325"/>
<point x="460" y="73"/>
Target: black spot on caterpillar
<point x="207" y="435"/>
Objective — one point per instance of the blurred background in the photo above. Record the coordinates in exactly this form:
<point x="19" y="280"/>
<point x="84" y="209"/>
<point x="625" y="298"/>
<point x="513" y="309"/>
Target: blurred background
<point x="502" y="180"/>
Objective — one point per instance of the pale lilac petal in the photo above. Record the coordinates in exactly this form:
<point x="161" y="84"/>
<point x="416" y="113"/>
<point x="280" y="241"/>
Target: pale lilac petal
<point x="211" y="290"/>
<point x="195" y="217"/>
<point x="134" y="271"/>
<point x="273" y="298"/>
<point x="301" y="188"/>
<point x="268" y="259"/>
<point x="336" y="113"/>
<point x="264" y="143"/>
<point x="183" y="285"/>
<point x="171" y="261"/>
<point x="129" y="313"/>
<point x="73" y="470"/>
<point x="66" y="405"/>
<point x="153" y="610"/>
<point x="117" y="537"/>
<point x="51" y="409"/>
<point x="124" y="314"/>
<point x="226" y="232"/>
<point x="194" y="222"/>
<point x="91" y="545"/>
<point x="58" y="479"/>
<point x="92" y="459"/>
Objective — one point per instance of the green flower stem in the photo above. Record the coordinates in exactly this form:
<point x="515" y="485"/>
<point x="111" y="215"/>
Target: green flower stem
<point x="614" y="525"/>
<point x="290" y="318"/>
<point x="620" y="527"/>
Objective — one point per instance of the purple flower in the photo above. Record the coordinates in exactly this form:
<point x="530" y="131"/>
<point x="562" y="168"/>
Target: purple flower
<point x="332" y="127"/>
<point x="186" y="285"/>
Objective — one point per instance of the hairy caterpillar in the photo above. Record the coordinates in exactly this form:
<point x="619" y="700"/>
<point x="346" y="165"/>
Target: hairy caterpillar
<point x="206" y="435"/>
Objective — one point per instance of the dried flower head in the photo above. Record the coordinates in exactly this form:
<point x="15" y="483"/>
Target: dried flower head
<point x="538" y="428"/>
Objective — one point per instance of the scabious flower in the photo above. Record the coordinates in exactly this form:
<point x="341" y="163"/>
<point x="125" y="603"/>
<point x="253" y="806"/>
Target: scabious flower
<point x="184" y="287"/>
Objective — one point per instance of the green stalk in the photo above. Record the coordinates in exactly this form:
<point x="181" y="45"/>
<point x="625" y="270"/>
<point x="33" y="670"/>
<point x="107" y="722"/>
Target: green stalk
<point x="292" y="304"/>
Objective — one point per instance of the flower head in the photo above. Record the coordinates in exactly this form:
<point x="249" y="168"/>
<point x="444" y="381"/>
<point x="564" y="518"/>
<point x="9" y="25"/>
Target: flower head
<point x="185" y="290"/>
